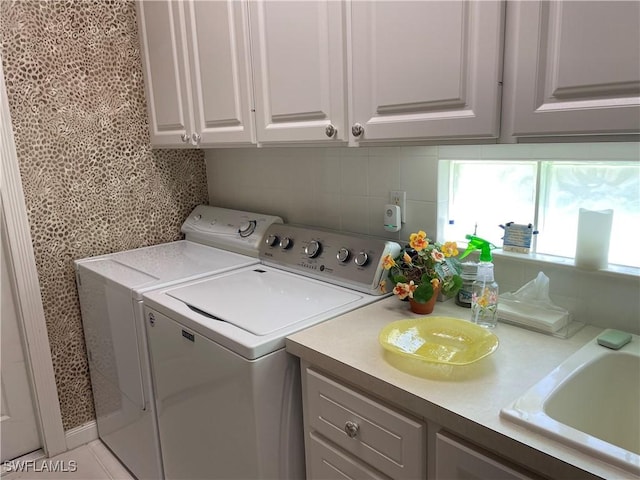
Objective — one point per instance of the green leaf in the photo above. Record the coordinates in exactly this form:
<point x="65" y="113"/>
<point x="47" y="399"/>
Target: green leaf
<point x="451" y="285"/>
<point x="423" y="293"/>
<point x="399" y="279"/>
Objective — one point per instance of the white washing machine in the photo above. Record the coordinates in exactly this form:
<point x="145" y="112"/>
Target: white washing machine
<point x="111" y="288"/>
<point x="228" y="395"/>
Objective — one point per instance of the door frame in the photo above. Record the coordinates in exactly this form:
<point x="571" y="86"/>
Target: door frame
<point x="28" y="298"/>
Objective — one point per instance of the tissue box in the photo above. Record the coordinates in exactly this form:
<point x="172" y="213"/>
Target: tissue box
<point x="539" y="316"/>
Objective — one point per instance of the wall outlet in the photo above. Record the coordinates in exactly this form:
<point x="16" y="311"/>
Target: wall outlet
<point x="396" y="197"/>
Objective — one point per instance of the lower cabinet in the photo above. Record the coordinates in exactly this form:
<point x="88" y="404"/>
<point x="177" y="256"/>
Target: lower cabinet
<point x="459" y="460"/>
<point x="349" y="435"/>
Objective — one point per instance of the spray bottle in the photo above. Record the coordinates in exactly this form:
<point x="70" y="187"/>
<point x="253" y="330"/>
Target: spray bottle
<point x="484" y="296"/>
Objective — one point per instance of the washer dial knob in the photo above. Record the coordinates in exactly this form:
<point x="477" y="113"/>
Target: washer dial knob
<point x="247" y="228"/>
<point x="343" y="255"/>
<point x="271" y="240"/>
<point x="286" y="243"/>
<point x="313" y="249"/>
<point x="361" y="259"/>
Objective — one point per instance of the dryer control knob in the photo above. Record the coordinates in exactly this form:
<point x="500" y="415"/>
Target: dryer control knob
<point x="247" y="228"/>
<point x="343" y="255"/>
<point x="313" y="249"/>
<point x="286" y="243"/>
<point x="361" y="259"/>
<point x="271" y="240"/>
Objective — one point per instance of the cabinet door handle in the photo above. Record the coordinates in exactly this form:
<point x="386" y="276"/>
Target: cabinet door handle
<point x="185" y="137"/>
<point x="351" y="428"/>
<point x="330" y="131"/>
<point x="195" y="138"/>
<point x="357" y="130"/>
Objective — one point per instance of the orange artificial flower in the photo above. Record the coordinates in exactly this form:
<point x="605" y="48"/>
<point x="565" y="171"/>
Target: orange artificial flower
<point x="404" y="290"/>
<point x="388" y="262"/>
<point x="418" y="241"/>
<point x="437" y="255"/>
<point x="450" y="249"/>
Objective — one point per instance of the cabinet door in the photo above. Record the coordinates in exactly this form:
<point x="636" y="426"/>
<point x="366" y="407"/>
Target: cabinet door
<point x="426" y="70"/>
<point x="165" y="67"/>
<point x="456" y="460"/>
<point x="299" y="73"/>
<point x="220" y="71"/>
<point x="572" y="68"/>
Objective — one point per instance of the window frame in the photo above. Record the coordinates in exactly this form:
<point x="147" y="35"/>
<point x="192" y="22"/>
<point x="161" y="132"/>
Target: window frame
<point x="542" y="185"/>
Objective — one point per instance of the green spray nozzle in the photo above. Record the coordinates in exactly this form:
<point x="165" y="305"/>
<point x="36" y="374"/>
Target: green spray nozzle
<point x="477" y="243"/>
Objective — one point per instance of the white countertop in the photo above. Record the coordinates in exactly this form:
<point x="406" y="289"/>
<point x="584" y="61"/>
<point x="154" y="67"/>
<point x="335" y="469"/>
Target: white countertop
<point x="464" y="400"/>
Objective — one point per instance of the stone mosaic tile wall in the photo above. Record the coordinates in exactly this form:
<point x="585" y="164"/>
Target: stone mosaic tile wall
<point x="92" y="183"/>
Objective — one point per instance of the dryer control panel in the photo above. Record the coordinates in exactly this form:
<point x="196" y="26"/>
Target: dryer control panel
<point x="347" y="260"/>
<point x="234" y="230"/>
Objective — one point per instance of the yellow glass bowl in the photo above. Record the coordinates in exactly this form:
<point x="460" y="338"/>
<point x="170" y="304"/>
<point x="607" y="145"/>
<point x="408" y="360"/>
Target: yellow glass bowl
<point x="447" y="340"/>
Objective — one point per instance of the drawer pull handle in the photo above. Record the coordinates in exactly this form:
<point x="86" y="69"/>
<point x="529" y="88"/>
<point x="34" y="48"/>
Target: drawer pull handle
<point x="352" y="429"/>
<point x="330" y="130"/>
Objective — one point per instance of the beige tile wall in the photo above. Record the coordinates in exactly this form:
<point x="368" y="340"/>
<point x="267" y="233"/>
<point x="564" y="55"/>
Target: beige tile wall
<point x="338" y="188"/>
<point x="346" y="188"/>
<point x="91" y="181"/>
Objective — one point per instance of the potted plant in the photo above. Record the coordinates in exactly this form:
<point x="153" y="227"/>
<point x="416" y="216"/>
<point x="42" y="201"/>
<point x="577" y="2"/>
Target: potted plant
<point x="422" y="270"/>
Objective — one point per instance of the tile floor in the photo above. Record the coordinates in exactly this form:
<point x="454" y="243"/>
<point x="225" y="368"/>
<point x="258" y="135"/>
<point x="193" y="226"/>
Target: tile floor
<point x="92" y="461"/>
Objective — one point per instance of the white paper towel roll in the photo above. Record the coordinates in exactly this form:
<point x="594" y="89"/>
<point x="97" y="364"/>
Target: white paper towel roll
<point x="594" y="232"/>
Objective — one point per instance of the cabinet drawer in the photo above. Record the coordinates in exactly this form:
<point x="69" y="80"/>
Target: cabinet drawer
<point x="385" y="439"/>
<point x="327" y="461"/>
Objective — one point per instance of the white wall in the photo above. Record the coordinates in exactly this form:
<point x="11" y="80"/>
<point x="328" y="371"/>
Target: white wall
<point x="346" y="188"/>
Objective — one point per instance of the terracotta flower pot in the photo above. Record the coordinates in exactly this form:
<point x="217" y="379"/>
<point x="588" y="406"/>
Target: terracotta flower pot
<point x="424" y="308"/>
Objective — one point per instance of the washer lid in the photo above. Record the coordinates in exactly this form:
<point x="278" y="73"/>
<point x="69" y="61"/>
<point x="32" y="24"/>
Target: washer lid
<point x="164" y="264"/>
<point x="262" y="301"/>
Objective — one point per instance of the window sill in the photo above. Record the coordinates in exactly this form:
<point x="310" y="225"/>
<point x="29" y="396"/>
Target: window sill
<point x="611" y="270"/>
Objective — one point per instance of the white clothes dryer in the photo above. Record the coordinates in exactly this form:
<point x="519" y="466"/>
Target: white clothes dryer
<point x="228" y="395"/>
<point x="111" y="290"/>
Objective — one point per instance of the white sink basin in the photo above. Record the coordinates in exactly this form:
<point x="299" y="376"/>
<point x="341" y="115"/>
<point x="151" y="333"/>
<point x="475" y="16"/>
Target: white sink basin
<point x="590" y="402"/>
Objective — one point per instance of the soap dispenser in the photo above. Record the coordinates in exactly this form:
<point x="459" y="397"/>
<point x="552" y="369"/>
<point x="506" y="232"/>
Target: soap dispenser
<point x="484" y="290"/>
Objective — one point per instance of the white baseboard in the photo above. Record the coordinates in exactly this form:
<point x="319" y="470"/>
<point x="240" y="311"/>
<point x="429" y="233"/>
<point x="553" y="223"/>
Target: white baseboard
<point x="75" y="437"/>
<point x="81" y="435"/>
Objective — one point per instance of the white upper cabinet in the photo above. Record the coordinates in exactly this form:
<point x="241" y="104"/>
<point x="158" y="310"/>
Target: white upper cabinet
<point x="426" y="69"/>
<point x="337" y="72"/>
<point x="197" y="70"/>
<point x="299" y="70"/>
<point x="572" y="68"/>
<point x="221" y="70"/>
<point x="165" y="70"/>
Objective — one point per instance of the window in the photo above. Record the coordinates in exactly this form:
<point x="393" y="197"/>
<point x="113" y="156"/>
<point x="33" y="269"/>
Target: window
<point x="548" y="194"/>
